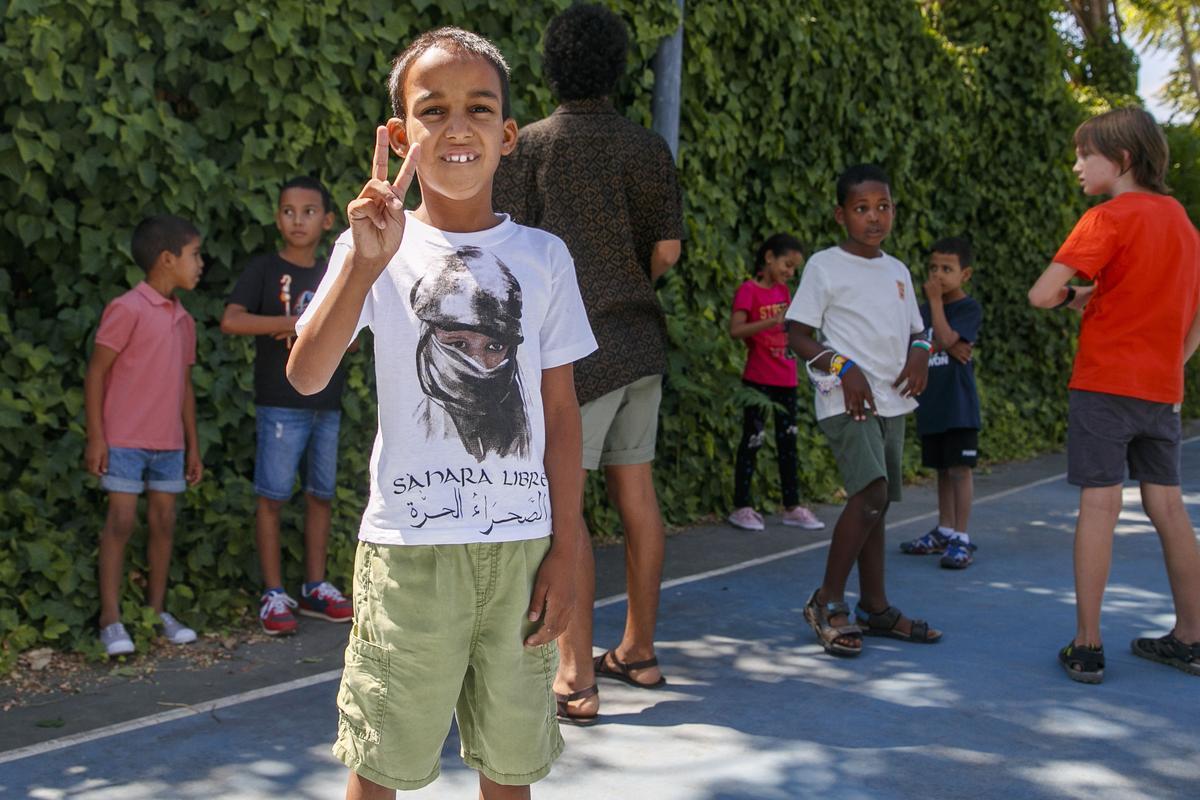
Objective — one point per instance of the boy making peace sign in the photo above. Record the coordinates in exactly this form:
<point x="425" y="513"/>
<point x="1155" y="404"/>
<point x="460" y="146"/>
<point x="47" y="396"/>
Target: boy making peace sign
<point x="468" y="542"/>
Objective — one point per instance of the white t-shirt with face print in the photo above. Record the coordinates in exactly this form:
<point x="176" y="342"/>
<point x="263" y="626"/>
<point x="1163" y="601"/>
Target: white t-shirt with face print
<point x="464" y="324"/>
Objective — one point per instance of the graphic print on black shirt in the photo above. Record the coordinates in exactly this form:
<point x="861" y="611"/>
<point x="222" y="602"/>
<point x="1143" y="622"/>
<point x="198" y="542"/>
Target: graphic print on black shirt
<point x="469" y="308"/>
<point x="272" y="286"/>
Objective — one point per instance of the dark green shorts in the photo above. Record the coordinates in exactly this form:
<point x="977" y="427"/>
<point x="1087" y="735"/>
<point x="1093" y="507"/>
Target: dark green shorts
<point x="439" y="630"/>
<point x="867" y="451"/>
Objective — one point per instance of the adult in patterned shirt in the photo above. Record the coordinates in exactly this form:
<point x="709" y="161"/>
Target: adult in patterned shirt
<point x="608" y="188"/>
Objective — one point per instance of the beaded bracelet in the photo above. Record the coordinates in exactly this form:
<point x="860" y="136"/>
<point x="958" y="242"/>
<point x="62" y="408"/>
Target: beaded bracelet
<point x="923" y="344"/>
<point x="845" y="367"/>
<point x="836" y="364"/>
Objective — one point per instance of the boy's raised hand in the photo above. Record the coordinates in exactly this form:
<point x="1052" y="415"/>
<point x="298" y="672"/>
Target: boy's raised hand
<point x="933" y="288"/>
<point x="377" y="214"/>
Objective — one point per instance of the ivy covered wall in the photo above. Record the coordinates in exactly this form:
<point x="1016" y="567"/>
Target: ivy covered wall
<point x="115" y="109"/>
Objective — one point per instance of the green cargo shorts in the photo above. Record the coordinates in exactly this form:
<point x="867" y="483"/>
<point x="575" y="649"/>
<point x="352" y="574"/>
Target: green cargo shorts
<point x="867" y="451"/>
<point x="620" y="428"/>
<point x="439" y="630"/>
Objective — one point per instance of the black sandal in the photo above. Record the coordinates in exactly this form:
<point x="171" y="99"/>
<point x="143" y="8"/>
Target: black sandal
<point x="818" y="614"/>
<point x="565" y="714"/>
<point x="622" y="671"/>
<point x="884" y="623"/>
<point x="1170" y="651"/>
<point x="1083" y="664"/>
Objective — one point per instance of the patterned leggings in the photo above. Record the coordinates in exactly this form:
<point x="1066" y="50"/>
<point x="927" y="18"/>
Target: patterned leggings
<point x="754" y="433"/>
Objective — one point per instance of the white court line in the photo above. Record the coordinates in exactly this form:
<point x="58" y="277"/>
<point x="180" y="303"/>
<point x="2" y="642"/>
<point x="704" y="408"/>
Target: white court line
<point x="312" y="680"/>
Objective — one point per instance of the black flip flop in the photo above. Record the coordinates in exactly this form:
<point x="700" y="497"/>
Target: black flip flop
<point x="621" y="673"/>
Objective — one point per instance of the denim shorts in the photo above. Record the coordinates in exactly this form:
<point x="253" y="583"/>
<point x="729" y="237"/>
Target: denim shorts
<point x="288" y="436"/>
<point x="439" y="631"/>
<point x="131" y="469"/>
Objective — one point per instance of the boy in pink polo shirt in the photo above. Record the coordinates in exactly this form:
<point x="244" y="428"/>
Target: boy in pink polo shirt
<point x="141" y="412"/>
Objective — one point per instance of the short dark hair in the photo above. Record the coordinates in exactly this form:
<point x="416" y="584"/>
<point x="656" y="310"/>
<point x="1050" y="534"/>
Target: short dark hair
<point x="858" y="174"/>
<point x="1133" y="131"/>
<point x="584" y="52"/>
<point x="955" y="246"/>
<point x="776" y="245"/>
<point x="311" y="183"/>
<point x="155" y="234"/>
<point x="452" y="40"/>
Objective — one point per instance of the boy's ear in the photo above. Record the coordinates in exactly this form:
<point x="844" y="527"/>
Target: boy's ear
<point x="839" y="215"/>
<point x="327" y="223"/>
<point x="398" y="135"/>
<point x="966" y="274"/>
<point x="509" y="142"/>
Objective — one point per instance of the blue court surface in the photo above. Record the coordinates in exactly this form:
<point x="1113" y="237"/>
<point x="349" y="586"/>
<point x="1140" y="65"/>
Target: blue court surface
<point x="754" y="709"/>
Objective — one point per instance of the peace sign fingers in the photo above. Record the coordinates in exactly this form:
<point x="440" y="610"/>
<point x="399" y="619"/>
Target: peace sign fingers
<point x="377" y="215"/>
<point x="379" y="164"/>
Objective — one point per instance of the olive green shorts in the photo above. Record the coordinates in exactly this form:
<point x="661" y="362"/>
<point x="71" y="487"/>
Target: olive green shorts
<point x="439" y="630"/>
<point x="867" y="451"/>
<point x="619" y="428"/>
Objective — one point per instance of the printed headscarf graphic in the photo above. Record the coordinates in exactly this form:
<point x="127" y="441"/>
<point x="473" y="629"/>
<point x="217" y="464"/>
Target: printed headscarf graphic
<point x="469" y="306"/>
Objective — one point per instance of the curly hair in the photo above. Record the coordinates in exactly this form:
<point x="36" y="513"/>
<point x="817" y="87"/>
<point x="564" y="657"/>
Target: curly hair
<point x="860" y="173"/>
<point x="584" y="52"/>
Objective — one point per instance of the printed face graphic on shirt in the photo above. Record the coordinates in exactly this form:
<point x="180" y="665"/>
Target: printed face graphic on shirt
<point x="469" y="307"/>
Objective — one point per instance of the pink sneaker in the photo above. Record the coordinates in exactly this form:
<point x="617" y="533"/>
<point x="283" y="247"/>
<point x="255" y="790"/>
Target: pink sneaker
<point x="747" y="519"/>
<point x="801" y="517"/>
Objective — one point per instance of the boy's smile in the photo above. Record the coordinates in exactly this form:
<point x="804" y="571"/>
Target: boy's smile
<point x="454" y="111"/>
<point x="867" y="216"/>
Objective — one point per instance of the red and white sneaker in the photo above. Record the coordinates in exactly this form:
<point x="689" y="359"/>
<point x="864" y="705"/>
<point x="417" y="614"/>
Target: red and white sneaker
<point x="275" y="614"/>
<point x="327" y="603"/>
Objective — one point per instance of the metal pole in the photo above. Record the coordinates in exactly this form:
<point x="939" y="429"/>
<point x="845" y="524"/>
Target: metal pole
<point x="668" y="80"/>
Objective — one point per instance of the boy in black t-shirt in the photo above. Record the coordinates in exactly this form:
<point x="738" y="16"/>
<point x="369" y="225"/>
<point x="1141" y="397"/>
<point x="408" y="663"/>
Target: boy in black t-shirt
<point x="948" y="417"/>
<point x="271" y="294"/>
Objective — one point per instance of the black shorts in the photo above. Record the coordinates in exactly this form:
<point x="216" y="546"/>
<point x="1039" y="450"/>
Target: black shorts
<point x="957" y="447"/>
<point x="1106" y="432"/>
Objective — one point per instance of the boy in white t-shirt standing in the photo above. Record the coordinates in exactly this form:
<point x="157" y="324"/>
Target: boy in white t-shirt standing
<point x="877" y="361"/>
<point x="468" y="542"/>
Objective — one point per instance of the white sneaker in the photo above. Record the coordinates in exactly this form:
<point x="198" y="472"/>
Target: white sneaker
<point x="116" y="640"/>
<point x="747" y="519"/>
<point x="801" y="517"/>
<point x="175" y="631"/>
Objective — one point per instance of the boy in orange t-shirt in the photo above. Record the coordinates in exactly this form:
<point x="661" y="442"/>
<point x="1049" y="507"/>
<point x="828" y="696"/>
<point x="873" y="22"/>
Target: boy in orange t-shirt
<point x="1140" y="326"/>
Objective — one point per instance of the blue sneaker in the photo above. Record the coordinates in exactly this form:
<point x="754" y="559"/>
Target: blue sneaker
<point x="958" y="554"/>
<point x="929" y="544"/>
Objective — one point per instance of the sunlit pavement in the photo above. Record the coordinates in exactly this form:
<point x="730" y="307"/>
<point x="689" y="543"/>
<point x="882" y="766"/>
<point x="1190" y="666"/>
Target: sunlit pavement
<point x="754" y="709"/>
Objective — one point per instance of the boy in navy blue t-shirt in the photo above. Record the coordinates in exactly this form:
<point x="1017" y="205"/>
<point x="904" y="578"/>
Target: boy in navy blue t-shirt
<point x="948" y="417"/>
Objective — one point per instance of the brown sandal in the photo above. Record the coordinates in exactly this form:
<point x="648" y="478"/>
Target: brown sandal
<point x="621" y="673"/>
<point x="886" y="623"/>
<point x="564" y="713"/>
<point x="818" y="614"/>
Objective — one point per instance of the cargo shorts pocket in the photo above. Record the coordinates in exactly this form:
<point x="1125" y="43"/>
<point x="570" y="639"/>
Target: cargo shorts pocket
<point x="362" y="697"/>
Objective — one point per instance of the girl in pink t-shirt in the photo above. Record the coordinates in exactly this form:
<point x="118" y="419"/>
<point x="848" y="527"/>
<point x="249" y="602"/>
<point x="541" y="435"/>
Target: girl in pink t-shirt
<point x="757" y="318"/>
